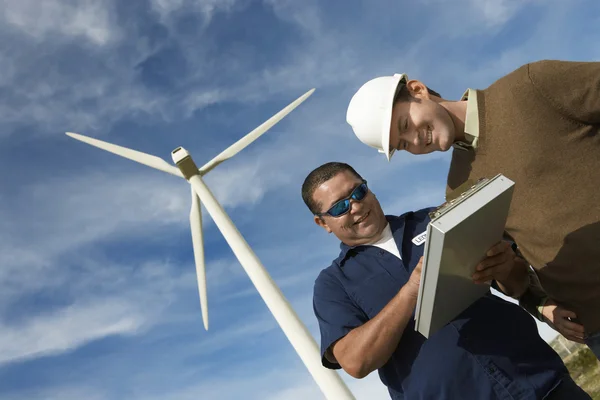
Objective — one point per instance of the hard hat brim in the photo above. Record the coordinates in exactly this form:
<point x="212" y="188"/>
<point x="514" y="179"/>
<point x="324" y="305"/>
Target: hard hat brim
<point x="387" y="115"/>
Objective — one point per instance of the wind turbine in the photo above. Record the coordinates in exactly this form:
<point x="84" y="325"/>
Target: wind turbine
<point x="328" y="381"/>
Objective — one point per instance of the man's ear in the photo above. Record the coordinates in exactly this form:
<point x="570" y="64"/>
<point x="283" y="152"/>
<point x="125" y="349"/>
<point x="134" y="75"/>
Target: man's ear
<point x="417" y="89"/>
<point x="321" y="222"/>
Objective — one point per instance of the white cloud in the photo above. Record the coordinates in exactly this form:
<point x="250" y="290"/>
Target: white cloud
<point x="271" y="383"/>
<point x="111" y="88"/>
<point x="83" y="79"/>
<point x="102" y="299"/>
<point x="68" y="328"/>
<point x="198" y="101"/>
<point x="74" y="392"/>
<point x="242" y="329"/>
<point x="498" y="12"/>
<point x="166" y="8"/>
<point x="63" y="214"/>
<point x="465" y="16"/>
<point x="305" y="14"/>
<point x="91" y="19"/>
<point x="54" y="103"/>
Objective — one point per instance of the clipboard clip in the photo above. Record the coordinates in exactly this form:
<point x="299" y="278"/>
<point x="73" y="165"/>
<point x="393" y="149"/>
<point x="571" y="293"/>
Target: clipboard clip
<point x="457" y="195"/>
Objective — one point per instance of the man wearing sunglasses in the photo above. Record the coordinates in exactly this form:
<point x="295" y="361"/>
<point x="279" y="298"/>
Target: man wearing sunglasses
<point x="365" y="301"/>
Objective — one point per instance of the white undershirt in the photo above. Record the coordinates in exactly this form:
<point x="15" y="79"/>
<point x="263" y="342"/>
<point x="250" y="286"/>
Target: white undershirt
<point x="387" y="242"/>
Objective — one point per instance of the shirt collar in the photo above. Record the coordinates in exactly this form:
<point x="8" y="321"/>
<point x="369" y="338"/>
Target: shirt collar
<point x="397" y="228"/>
<point x="471" y="122"/>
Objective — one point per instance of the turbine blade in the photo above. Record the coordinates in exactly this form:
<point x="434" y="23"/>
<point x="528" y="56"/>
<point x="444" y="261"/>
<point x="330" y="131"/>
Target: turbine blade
<point x="196" y="227"/>
<point x="252" y="136"/>
<point x="134" y="155"/>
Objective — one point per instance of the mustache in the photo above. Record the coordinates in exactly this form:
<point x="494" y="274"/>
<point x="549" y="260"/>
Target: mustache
<point x="353" y="222"/>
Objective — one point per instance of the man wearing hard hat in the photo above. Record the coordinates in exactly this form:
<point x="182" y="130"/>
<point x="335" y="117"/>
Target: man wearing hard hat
<point x="540" y="127"/>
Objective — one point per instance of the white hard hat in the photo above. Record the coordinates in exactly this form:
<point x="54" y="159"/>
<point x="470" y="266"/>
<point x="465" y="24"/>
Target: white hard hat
<point x="370" y="111"/>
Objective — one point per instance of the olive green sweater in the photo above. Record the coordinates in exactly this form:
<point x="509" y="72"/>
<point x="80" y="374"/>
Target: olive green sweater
<point x="540" y="127"/>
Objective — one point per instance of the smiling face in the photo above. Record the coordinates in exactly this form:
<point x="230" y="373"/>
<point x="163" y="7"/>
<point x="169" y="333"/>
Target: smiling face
<point x="365" y="221"/>
<point x="420" y="124"/>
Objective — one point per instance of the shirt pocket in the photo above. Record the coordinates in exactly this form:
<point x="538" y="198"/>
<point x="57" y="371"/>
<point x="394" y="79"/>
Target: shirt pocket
<point x="375" y="292"/>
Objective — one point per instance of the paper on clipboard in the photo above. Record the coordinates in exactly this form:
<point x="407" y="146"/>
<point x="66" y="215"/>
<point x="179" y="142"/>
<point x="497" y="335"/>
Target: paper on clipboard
<point x="459" y="234"/>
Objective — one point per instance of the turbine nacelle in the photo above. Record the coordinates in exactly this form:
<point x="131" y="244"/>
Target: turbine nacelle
<point x="179" y="154"/>
<point x="181" y="157"/>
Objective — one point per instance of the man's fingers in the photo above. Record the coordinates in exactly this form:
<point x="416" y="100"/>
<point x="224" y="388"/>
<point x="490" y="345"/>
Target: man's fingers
<point x="573" y="327"/>
<point x="564" y="313"/>
<point x="495" y="249"/>
<point x="565" y="327"/>
<point x="573" y="338"/>
<point x="569" y="332"/>
<point x="419" y="266"/>
<point x="480" y="281"/>
<point x="491" y="261"/>
<point x="498" y="248"/>
<point x="480" y="277"/>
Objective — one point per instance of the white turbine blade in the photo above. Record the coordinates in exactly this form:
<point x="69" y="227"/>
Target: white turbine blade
<point x="252" y="136"/>
<point x="196" y="227"/>
<point x="134" y="155"/>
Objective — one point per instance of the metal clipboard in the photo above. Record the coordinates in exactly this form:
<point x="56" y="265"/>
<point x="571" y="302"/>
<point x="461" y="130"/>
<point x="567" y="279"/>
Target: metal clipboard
<point x="459" y="234"/>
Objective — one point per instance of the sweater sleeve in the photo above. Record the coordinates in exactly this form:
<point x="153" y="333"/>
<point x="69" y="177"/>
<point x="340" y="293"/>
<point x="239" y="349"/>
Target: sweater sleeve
<point x="572" y="88"/>
<point x="534" y="299"/>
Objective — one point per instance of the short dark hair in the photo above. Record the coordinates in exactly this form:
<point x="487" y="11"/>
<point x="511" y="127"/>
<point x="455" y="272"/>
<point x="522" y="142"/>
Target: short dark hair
<point x="404" y="95"/>
<point x="317" y="177"/>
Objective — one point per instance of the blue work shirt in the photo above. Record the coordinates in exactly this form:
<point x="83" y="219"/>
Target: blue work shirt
<point x="492" y="350"/>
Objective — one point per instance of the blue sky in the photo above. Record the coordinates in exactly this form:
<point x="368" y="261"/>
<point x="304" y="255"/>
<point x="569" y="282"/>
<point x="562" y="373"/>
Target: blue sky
<point x="98" y="298"/>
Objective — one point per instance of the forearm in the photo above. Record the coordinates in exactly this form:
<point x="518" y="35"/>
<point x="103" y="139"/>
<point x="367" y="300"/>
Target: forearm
<point x="371" y="345"/>
<point x="517" y="282"/>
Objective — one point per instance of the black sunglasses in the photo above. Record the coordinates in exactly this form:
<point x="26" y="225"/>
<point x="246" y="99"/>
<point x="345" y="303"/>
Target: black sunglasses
<point x="341" y="207"/>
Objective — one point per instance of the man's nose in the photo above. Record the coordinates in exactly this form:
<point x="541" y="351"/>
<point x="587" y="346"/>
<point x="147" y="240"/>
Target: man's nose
<point x="416" y="139"/>
<point x="355" y="206"/>
<point x="411" y="137"/>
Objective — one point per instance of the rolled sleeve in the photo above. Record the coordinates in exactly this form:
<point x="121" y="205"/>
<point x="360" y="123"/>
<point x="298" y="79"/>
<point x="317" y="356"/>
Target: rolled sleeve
<point x="534" y="299"/>
<point x="337" y="315"/>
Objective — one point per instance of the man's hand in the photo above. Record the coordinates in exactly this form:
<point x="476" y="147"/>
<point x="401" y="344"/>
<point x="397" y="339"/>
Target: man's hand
<point x="412" y="286"/>
<point x="558" y="318"/>
<point x="497" y="265"/>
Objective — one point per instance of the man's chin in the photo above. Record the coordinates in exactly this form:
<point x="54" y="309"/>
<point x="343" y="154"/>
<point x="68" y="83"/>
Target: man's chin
<point x="369" y="231"/>
<point x="365" y="236"/>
